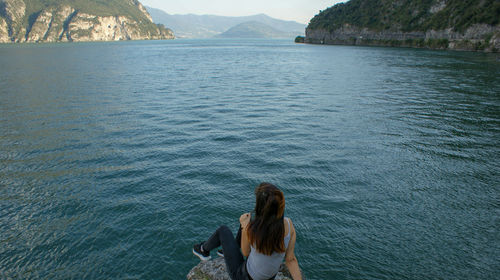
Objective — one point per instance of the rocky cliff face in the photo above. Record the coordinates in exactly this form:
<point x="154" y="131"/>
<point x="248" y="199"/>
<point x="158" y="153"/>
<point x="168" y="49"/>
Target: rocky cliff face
<point x="437" y="24"/>
<point x="477" y="37"/>
<point x="65" y="23"/>
<point x="216" y="270"/>
<point x="4" y="34"/>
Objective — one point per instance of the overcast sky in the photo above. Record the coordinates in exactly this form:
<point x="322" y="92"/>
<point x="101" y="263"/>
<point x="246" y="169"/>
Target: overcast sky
<point x="298" y="10"/>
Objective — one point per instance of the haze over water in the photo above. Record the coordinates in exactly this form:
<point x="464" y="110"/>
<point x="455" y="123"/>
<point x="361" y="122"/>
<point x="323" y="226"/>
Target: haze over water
<point x="116" y="157"/>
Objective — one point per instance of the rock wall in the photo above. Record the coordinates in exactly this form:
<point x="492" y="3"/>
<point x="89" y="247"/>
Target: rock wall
<point x="216" y="270"/>
<point x="480" y="37"/>
<point x="12" y="13"/>
<point x="64" y="23"/>
<point x="4" y="32"/>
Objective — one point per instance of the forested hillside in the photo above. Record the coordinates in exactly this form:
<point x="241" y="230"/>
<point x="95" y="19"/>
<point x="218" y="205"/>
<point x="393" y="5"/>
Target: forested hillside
<point x="450" y="20"/>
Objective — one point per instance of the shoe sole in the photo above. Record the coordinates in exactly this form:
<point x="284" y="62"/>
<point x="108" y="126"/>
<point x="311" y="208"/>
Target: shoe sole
<point x="220" y="255"/>
<point x="203" y="258"/>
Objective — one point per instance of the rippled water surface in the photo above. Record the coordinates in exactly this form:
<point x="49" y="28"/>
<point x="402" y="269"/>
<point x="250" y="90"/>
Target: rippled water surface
<point x="116" y="157"/>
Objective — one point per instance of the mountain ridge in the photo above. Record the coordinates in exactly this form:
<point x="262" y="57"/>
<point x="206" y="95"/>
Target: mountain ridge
<point x="207" y="26"/>
<point x="254" y="29"/>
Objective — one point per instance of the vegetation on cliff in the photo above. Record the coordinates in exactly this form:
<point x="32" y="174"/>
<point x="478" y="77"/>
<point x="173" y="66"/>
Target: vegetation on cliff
<point x="409" y="15"/>
<point x="67" y="20"/>
<point x="126" y="8"/>
<point x="472" y="25"/>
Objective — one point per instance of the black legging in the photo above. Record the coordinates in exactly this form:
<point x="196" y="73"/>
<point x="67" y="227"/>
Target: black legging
<point x="235" y="263"/>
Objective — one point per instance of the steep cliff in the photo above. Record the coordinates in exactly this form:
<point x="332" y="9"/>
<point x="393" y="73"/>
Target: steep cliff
<point x="85" y="20"/>
<point x="437" y="24"/>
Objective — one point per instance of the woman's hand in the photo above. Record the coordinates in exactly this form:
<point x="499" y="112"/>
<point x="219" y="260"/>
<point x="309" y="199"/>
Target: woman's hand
<point x="245" y="220"/>
<point x="245" y="245"/>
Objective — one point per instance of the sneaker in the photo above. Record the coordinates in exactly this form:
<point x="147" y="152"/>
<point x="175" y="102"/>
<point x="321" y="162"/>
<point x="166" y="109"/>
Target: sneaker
<point x="204" y="256"/>
<point x="220" y="253"/>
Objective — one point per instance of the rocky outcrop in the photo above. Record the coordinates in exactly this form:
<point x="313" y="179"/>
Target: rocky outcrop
<point x="216" y="270"/>
<point x="13" y="10"/>
<point x="12" y="13"/>
<point x="48" y="26"/>
<point x="477" y="37"/>
<point x="63" y="23"/>
<point x="4" y="31"/>
<point x="85" y="27"/>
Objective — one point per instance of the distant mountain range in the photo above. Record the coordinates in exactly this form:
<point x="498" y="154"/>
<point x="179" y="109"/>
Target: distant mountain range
<point x="254" y="29"/>
<point x="207" y="26"/>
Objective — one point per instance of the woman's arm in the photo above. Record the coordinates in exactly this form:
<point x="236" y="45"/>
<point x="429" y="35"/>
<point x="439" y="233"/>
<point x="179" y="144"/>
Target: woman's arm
<point x="290" y="259"/>
<point x="245" y="244"/>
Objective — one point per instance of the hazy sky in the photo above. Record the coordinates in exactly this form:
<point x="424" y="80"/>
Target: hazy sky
<point x="298" y="10"/>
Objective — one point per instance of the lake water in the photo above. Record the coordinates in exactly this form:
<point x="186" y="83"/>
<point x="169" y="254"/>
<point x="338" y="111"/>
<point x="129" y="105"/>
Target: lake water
<point x="115" y="158"/>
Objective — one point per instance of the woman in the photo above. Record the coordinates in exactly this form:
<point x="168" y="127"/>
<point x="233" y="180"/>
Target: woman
<point x="265" y="240"/>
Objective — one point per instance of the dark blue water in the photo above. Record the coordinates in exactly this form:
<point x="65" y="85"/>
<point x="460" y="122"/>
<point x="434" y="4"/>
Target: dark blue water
<point x="116" y="157"/>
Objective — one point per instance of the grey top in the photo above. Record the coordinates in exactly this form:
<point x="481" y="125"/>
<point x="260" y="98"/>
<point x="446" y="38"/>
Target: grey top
<point x="263" y="267"/>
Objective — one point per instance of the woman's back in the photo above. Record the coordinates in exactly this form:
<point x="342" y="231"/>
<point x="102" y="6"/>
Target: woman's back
<point x="261" y="266"/>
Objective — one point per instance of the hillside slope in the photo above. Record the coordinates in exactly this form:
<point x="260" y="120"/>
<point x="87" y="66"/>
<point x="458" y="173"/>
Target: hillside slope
<point x="254" y="29"/>
<point x="206" y="26"/>
<point x="83" y="20"/>
<point x="445" y="24"/>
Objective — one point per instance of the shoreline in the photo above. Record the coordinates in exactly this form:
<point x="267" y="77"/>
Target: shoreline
<point x="478" y="38"/>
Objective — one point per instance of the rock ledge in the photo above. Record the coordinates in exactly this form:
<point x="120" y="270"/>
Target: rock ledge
<point x="216" y="270"/>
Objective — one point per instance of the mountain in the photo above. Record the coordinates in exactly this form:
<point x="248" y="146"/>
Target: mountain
<point x="443" y="24"/>
<point x="82" y="20"/>
<point x="254" y="29"/>
<point x="206" y="26"/>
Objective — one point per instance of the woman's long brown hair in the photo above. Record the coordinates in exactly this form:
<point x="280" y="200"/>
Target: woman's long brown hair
<point x="266" y="231"/>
